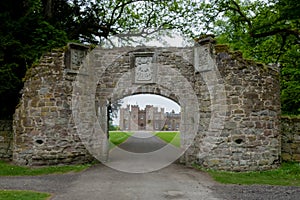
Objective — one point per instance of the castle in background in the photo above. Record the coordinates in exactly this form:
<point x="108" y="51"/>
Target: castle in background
<point x="150" y="119"/>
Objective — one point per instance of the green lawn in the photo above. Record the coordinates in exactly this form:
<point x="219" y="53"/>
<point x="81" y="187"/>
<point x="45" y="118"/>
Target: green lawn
<point x="22" y="195"/>
<point x="118" y="137"/>
<point x="169" y="137"/>
<point x="7" y="169"/>
<point x="287" y="175"/>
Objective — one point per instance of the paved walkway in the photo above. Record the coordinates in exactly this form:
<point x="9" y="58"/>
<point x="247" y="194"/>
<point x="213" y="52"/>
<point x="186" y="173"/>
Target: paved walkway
<point x="142" y="152"/>
<point x="172" y="182"/>
<point x="142" y="142"/>
<point x="103" y="183"/>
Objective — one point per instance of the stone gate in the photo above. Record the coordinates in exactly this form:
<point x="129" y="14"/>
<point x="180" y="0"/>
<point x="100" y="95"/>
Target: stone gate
<point x="230" y="106"/>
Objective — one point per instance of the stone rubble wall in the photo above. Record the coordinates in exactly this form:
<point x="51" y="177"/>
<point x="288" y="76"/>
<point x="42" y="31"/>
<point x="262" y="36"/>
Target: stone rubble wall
<point x="44" y="132"/>
<point x="250" y="139"/>
<point x="6" y="139"/>
<point x="239" y="105"/>
<point x="290" y="138"/>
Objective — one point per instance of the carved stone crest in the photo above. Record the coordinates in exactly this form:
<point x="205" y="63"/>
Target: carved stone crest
<point x="143" y="73"/>
<point x="144" y="67"/>
<point x="75" y="55"/>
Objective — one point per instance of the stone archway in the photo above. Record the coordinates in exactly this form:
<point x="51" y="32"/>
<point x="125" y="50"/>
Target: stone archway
<point x="113" y="85"/>
<point x="231" y="106"/>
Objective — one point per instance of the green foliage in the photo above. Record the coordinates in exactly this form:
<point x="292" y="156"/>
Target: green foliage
<point x="267" y="32"/>
<point x="287" y="175"/>
<point x="264" y="31"/>
<point x="24" y="37"/>
<point x="290" y="82"/>
<point x="113" y="127"/>
<point x="13" y="170"/>
<point x="22" y="195"/>
<point x="169" y="137"/>
<point x="31" y="27"/>
<point x="96" y="21"/>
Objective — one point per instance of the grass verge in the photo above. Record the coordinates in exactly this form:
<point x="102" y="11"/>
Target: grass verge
<point x="287" y="175"/>
<point x="22" y="195"/>
<point x="13" y="170"/>
<point x="118" y="137"/>
<point x="169" y="137"/>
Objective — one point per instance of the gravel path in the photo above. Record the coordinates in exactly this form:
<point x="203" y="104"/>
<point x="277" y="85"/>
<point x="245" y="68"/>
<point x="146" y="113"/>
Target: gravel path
<point x="172" y="182"/>
<point x="256" y="192"/>
<point x="142" y="142"/>
<point x="103" y="183"/>
<point x="143" y="152"/>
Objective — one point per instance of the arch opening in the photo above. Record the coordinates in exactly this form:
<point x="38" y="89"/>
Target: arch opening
<point x="135" y="114"/>
<point x="145" y="110"/>
<point x="126" y="80"/>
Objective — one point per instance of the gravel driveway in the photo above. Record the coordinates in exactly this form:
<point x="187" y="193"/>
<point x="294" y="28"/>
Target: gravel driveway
<point x="172" y="182"/>
<point x="256" y="192"/>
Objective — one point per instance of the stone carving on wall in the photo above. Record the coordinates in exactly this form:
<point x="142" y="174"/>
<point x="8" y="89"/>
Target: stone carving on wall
<point x="143" y="72"/>
<point x="144" y="67"/>
<point x="77" y="57"/>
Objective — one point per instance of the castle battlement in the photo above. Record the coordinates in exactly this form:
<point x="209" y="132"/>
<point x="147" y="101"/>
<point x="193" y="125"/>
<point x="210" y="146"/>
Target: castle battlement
<point x="151" y="119"/>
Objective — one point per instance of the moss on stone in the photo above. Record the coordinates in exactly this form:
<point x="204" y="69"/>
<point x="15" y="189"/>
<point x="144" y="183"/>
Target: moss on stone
<point x="290" y="117"/>
<point x="221" y="48"/>
<point x="238" y="55"/>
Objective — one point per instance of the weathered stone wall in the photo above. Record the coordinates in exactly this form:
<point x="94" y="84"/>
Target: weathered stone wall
<point x="43" y="127"/>
<point x="250" y="139"/>
<point x="290" y="138"/>
<point x="6" y="139"/>
<point x="230" y="106"/>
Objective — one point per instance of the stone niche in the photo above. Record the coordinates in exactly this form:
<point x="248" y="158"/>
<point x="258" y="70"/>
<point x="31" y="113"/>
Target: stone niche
<point x="237" y="103"/>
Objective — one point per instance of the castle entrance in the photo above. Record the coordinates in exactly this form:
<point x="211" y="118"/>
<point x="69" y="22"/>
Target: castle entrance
<point x="147" y="76"/>
<point x="229" y="106"/>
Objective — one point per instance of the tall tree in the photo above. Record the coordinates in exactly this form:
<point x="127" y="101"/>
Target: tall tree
<point x="266" y="31"/>
<point x="24" y="36"/>
<point x="96" y="21"/>
<point x="31" y="27"/>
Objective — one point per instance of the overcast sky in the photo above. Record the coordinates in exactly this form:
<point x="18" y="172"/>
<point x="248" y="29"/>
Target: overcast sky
<point x="149" y="99"/>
